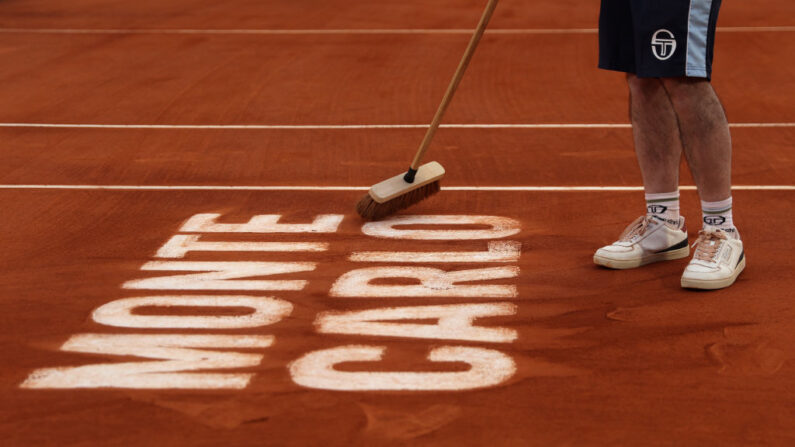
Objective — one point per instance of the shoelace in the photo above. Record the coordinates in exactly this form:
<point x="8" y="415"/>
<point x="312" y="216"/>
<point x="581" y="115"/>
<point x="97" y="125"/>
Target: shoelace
<point x="636" y="228"/>
<point x="708" y="244"/>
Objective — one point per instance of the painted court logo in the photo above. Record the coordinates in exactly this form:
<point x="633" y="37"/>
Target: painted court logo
<point x="200" y="267"/>
<point x="663" y="44"/>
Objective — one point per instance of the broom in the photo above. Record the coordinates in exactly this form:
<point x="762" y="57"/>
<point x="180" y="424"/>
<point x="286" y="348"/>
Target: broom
<point x="420" y="182"/>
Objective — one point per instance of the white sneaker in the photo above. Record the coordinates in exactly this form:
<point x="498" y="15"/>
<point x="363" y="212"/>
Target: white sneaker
<point x="718" y="260"/>
<point x="648" y="239"/>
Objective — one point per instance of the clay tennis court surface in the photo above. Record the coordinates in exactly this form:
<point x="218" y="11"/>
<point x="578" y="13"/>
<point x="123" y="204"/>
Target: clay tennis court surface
<point x="145" y="145"/>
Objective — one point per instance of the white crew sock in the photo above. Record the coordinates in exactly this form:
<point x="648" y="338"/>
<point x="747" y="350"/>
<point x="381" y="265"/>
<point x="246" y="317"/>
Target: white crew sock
<point x="665" y="206"/>
<point x="719" y="215"/>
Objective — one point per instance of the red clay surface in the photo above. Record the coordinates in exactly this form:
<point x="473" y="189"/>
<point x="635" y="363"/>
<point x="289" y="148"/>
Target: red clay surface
<point x="353" y="79"/>
<point x="473" y="157"/>
<point x="604" y="357"/>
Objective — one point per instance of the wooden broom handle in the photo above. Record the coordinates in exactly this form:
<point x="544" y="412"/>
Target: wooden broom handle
<point x="459" y="74"/>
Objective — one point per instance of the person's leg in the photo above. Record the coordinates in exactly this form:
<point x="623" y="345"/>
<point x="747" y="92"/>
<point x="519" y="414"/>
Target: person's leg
<point x="674" y="42"/>
<point x="658" y="147"/>
<point x="658" y="235"/>
<point x="656" y="134"/>
<point x="705" y="135"/>
<point x="707" y="146"/>
<point x="719" y="257"/>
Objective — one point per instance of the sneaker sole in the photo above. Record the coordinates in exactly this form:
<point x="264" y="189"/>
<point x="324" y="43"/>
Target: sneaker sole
<point x="713" y="284"/>
<point x="623" y="264"/>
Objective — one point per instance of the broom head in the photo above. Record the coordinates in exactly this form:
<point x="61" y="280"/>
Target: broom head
<point x="395" y="194"/>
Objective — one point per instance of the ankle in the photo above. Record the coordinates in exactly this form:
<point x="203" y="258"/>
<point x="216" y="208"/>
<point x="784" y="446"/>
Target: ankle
<point x="719" y="215"/>
<point x="664" y="206"/>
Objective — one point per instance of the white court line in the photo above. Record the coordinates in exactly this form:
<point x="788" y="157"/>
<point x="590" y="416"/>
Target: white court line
<point x="350" y="126"/>
<point x="365" y="188"/>
<point x="463" y="31"/>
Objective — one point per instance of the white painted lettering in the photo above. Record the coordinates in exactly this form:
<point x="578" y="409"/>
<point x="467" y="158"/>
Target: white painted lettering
<point x="120" y="312"/>
<point x="497" y="252"/>
<point x="178" y="246"/>
<point x="177" y="354"/>
<point x="433" y="283"/>
<point x="316" y="370"/>
<point x="221" y="276"/>
<point x="454" y="322"/>
<point x="500" y="227"/>
<point x="265" y="223"/>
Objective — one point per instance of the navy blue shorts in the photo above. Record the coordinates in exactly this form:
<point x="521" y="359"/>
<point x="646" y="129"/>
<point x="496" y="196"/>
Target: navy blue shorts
<point x="658" y="38"/>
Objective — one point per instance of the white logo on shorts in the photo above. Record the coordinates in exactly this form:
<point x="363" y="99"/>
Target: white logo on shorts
<point x="663" y="44"/>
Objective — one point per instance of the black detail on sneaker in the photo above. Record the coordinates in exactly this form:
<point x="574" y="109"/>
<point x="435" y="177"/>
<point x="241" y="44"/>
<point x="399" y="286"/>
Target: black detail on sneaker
<point x="742" y="255"/>
<point x="656" y="209"/>
<point x="678" y="246"/>
<point x="714" y="220"/>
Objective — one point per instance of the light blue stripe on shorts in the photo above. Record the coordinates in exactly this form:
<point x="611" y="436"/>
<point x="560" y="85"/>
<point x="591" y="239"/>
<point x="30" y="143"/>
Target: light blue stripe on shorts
<point x="697" y="36"/>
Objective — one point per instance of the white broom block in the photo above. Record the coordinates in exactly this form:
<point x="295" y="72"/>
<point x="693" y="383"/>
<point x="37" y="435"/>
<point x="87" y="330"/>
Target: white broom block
<point x="396" y="186"/>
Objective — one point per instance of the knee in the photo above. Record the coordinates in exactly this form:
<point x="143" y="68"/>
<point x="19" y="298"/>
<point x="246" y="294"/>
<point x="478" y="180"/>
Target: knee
<point x="695" y="96"/>
<point x="684" y="89"/>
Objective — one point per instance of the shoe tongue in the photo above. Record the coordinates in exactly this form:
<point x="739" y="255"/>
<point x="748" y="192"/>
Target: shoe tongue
<point x="708" y="248"/>
<point x="717" y="236"/>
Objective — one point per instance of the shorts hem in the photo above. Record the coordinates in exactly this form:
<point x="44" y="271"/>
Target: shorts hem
<point x="616" y="67"/>
<point x="697" y="72"/>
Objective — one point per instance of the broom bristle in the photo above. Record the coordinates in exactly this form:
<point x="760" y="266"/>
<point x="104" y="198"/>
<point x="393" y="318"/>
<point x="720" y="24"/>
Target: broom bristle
<point x="369" y="209"/>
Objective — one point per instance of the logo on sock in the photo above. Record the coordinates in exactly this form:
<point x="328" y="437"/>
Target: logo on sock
<point x="656" y="209"/>
<point x="663" y="44"/>
<point x="714" y="220"/>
